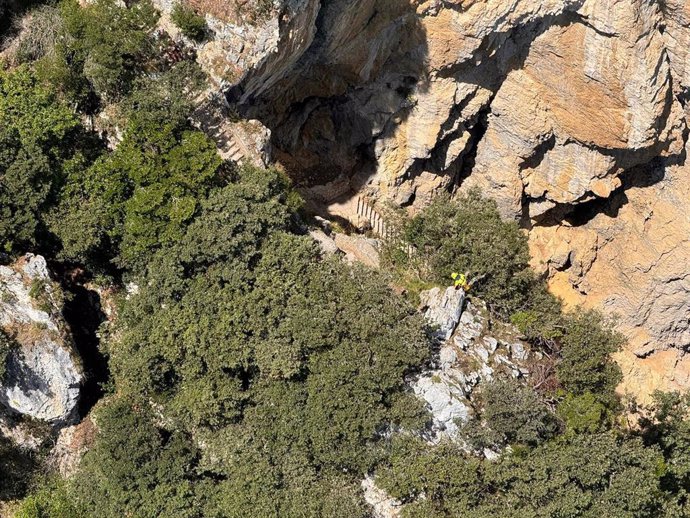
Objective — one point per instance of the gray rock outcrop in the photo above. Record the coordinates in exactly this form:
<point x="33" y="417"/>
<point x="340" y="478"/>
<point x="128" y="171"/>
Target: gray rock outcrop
<point x="469" y="356"/>
<point x="359" y="249"/>
<point x="70" y="446"/>
<point x="382" y="504"/>
<point x="43" y="374"/>
<point x="472" y="354"/>
<point x="443" y="310"/>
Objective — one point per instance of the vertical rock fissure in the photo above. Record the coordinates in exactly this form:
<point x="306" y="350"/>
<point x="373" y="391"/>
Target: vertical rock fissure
<point x="83" y="313"/>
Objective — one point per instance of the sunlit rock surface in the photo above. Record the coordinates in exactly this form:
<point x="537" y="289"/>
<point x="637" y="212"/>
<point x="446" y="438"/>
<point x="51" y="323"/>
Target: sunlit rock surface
<point x="560" y="110"/>
<point x="43" y="374"/>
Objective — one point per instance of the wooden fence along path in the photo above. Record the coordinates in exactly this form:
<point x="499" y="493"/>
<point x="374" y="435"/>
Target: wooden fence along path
<point x="366" y="213"/>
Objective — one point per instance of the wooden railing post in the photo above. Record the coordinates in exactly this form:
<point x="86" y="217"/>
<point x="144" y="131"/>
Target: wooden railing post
<point x="366" y="212"/>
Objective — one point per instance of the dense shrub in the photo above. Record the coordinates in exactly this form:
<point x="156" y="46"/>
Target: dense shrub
<point x="337" y="336"/>
<point x="106" y="46"/>
<point x="54" y="190"/>
<point x="511" y="413"/>
<point x="584" y="413"/>
<point x="541" y="322"/>
<point x="665" y="425"/>
<point x="137" y="198"/>
<point x="136" y="468"/>
<point x="167" y="99"/>
<point x="468" y="235"/>
<point x="586" y="365"/>
<point x="51" y="499"/>
<point x="16" y="470"/>
<point x="41" y="142"/>
<point x="587" y="475"/>
<point x="289" y="367"/>
<point x="188" y="21"/>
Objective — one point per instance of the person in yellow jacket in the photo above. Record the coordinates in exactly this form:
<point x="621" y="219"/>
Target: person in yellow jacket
<point x="460" y="281"/>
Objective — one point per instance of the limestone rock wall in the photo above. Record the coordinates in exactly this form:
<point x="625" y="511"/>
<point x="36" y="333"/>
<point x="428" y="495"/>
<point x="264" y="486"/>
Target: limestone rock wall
<point x="544" y="103"/>
<point x="570" y="113"/>
<point x="592" y="99"/>
<point x="43" y="374"/>
<point x="630" y="258"/>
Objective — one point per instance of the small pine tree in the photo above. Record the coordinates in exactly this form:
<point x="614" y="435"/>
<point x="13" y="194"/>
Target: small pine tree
<point x="189" y="22"/>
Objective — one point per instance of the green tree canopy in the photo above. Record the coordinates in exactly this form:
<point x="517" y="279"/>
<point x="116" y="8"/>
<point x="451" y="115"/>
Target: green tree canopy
<point x="189" y="22"/>
<point x="290" y="368"/>
<point x="511" y="413"/>
<point x="106" y="46"/>
<point x="584" y="476"/>
<point x="467" y="234"/>
<point x="41" y="142"/>
<point x="136" y="468"/>
<point x="586" y="346"/>
<point x="139" y="197"/>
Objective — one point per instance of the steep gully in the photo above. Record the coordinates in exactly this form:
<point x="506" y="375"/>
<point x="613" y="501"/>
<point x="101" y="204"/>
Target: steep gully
<point x="84" y="314"/>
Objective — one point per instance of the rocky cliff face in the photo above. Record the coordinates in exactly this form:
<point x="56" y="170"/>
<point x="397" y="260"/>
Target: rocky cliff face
<point x="570" y="113"/>
<point x="42" y="372"/>
<point x="545" y="104"/>
<point x="629" y="257"/>
<point x="473" y="350"/>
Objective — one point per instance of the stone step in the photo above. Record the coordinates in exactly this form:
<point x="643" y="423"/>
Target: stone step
<point x="232" y="146"/>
